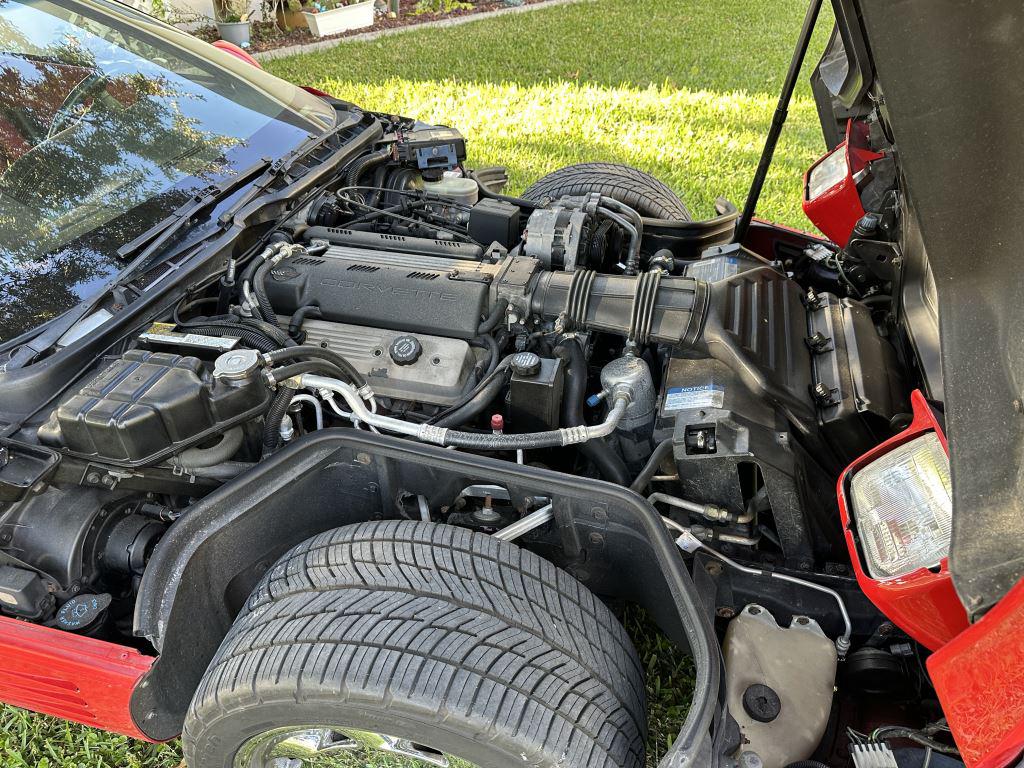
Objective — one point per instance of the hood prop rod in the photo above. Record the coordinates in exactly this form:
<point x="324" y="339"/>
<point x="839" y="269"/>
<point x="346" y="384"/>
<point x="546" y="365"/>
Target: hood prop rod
<point x="778" y="120"/>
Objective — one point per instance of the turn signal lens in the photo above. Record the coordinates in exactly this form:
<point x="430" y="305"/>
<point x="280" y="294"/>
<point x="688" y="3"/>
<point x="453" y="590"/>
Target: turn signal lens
<point x="903" y="508"/>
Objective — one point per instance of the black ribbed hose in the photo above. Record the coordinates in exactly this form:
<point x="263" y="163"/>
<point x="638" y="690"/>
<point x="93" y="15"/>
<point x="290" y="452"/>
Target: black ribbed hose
<point x="250" y="338"/>
<point x="275" y="415"/>
<point x="363" y="164"/>
<point x="807" y="764"/>
<point x="609" y="465"/>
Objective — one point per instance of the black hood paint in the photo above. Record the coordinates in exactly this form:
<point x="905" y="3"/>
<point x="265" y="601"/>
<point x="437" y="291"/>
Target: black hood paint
<point x="951" y="73"/>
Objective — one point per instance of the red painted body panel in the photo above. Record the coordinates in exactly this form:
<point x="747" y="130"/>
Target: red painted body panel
<point x="69" y="676"/>
<point x="234" y="50"/>
<point x="979" y="677"/>
<point x="837" y="210"/>
<point x="923" y="603"/>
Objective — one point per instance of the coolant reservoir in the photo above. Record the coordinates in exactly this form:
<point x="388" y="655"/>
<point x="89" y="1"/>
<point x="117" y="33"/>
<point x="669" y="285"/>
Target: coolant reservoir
<point x="457" y="188"/>
<point x="779" y="684"/>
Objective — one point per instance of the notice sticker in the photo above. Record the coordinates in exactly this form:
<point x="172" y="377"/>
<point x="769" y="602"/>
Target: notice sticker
<point x="701" y="396"/>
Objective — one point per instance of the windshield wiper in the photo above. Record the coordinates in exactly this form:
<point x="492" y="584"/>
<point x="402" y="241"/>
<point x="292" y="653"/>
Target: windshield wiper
<point x="152" y="240"/>
<point x="143" y="247"/>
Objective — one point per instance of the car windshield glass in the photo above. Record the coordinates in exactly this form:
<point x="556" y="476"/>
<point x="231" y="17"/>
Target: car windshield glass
<point x="107" y="125"/>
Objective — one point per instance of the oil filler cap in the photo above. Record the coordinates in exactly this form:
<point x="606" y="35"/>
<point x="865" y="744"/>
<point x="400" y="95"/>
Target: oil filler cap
<point x="82" y="611"/>
<point x="405" y="350"/>
<point x="761" y="703"/>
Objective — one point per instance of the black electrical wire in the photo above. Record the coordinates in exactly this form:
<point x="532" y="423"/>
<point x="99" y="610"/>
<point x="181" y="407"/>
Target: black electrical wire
<point x="923" y="738"/>
<point x="410" y="220"/>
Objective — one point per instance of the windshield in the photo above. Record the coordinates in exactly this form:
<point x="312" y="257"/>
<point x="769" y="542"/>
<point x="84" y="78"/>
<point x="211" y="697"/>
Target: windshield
<point x="107" y="124"/>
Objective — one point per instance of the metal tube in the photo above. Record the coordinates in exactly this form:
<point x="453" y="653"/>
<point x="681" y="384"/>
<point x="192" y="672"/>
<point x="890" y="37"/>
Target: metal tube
<point x="688" y="542"/>
<point x="527" y="524"/>
<point x="707" y="511"/>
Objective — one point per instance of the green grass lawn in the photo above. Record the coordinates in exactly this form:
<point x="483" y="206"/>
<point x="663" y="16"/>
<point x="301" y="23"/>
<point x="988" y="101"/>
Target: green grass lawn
<point x="683" y="89"/>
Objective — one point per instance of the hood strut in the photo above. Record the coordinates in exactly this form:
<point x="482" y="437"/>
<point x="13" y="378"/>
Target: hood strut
<point x="779" y="119"/>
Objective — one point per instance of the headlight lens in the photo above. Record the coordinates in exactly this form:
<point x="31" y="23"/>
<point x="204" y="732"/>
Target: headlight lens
<point x="831" y="170"/>
<point x="903" y="508"/>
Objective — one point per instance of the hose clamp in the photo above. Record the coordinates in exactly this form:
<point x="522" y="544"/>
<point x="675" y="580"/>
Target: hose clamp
<point x="429" y="433"/>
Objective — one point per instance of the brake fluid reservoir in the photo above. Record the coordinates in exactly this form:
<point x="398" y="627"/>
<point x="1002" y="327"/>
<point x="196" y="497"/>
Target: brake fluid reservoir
<point x="779" y="684"/>
<point x="462" y="190"/>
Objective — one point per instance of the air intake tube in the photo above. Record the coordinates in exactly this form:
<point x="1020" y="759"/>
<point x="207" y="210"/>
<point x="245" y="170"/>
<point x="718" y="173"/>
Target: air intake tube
<point x="645" y="308"/>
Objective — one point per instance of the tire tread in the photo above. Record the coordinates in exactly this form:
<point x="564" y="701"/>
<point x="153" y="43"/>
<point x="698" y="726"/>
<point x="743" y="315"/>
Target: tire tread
<point x="439" y="622"/>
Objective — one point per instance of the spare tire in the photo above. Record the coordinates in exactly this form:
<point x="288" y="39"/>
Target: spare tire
<point x="415" y="644"/>
<point x="639" y="190"/>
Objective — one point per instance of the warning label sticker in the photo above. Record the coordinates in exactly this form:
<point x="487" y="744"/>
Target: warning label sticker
<point x="702" y="396"/>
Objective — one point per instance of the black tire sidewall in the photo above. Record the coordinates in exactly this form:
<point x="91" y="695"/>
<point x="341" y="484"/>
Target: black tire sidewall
<point x="616" y="181"/>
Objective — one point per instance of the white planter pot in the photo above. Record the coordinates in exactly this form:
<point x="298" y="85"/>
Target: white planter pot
<point x="236" y="32"/>
<point x="355" y="16"/>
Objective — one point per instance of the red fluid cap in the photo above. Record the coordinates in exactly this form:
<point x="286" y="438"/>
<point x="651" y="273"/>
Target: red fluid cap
<point x="497" y="424"/>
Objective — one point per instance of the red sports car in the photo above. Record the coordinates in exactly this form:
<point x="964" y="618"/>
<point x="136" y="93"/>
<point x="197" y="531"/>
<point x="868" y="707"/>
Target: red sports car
<point x="319" y="449"/>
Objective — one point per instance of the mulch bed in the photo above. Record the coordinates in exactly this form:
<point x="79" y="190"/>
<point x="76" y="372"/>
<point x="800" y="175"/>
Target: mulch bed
<point x="267" y="36"/>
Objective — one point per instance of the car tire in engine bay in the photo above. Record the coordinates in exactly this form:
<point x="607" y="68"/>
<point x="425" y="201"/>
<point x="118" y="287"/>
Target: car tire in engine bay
<point x="639" y="190"/>
<point x="413" y="644"/>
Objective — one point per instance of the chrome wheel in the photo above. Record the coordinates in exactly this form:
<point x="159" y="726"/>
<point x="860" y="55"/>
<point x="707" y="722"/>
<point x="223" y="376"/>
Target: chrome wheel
<point x="338" y="747"/>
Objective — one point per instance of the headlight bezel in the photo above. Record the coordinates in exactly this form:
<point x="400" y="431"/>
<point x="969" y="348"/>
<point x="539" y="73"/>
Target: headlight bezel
<point x="922" y="601"/>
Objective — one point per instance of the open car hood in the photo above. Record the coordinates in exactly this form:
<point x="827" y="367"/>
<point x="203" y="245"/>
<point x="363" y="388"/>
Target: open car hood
<point x="949" y="75"/>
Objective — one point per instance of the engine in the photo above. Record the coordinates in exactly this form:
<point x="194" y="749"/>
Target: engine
<point x="414" y="299"/>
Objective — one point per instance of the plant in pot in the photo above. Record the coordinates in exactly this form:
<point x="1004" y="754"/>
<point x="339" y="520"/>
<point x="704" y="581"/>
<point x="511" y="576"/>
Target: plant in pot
<point x="329" y="17"/>
<point x="233" y="22"/>
<point x="287" y="14"/>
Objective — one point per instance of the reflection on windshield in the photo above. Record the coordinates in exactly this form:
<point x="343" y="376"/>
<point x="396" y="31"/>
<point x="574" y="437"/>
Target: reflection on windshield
<point x="103" y="132"/>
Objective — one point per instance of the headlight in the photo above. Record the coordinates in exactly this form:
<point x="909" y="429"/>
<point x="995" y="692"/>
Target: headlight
<point x="830" y="170"/>
<point x="903" y="509"/>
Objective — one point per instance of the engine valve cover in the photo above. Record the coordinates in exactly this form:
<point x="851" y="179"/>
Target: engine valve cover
<point x="436" y="373"/>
